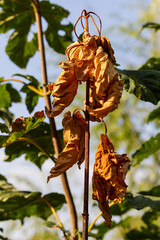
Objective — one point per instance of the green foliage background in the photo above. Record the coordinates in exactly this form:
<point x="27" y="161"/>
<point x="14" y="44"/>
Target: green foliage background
<point x="138" y="216"/>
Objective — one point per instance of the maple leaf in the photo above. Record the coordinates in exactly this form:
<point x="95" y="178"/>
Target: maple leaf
<point x="63" y="90"/>
<point x="73" y="136"/>
<point x="110" y="169"/>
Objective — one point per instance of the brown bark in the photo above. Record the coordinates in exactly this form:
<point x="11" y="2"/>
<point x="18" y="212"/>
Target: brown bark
<point x="55" y="138"/>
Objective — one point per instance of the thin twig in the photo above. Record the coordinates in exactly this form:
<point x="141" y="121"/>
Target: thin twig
<point x="54" y="212"/>
<point x="92" y="224"/>
<point x="55" y="138"/>
<point x="86" y="174"/>
<point x="104" y="124"/>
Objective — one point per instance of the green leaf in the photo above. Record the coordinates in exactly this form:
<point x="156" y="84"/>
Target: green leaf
<point x="8" y="94"/>
<point x="154" y="115"/>
<point x="20" y="204"/>
<point x="144" y="84"/>
<point x="19" y="46"/>
<point x="32" y="80"/>
<point x="40" y="135"/>
<point x="143" y="234"/>
<point x="155" y="26"/>
<point x="119" y="209"/>
<point x="126" y="222"/>
<point x="102" y="229"/>
<point x="17" y="18"/>
<point x="30" y="124"/>
<point x="139" y="202"/>
<point x="14" y="94"/>
<point x="54" y="15"/>
<point x="31" y="98"/>
<point x="4" y="128"/>
<point x="5" y="98"/>
<point x="49" y="224"/>
<point x="148" y="148"/>
<point x="149" y="217"/>
<point x="6" y="116"/>
<point x="151" y="64"/>
<point x="154" y="192"/>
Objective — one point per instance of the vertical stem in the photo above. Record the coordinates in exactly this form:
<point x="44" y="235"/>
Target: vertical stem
<point x="86" y="174"/>
<point x="55" y="138"/>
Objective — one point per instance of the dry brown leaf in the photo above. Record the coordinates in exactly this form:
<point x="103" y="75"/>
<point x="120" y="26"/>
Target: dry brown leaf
<point x="106" y="89"/>
<point x="73" y="136"/>
<point x="64" y="89"/>
<point x="82" y="56"/>
<point x="101" y="108"/>
<point x="109" y="173"/>
<point x="39" y="114"/>
<point x="107" y="48"/>
<point x="92" y="59"/>
<point x="18" y="124"/>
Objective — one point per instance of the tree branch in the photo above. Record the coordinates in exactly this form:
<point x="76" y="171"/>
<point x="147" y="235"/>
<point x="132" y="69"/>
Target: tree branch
<point x="55" y="138"/>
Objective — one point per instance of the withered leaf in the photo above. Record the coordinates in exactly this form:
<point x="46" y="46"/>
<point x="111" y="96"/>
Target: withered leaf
<point x="82" y="56"/>
<point x="106" y="45"/>
<point x="109" y="173"/>
<point x="64" y="89"/>
<point x="73" y="136"/>
<point x="106" y="89"/>
<point x="18" y="124"/>
<point x="39" y="114"/>
<point x="92" y="59"/>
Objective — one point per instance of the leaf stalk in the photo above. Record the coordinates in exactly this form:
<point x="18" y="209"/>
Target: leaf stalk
<point x="29" y="86"/>
<point x="56" y="216"/>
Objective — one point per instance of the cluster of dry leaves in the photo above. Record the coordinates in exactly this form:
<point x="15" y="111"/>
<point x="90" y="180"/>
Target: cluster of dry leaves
<point x="92" y="59"/>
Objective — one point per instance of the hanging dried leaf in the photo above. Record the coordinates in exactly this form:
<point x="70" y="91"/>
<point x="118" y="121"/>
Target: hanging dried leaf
<point x="109" y="173"/>
<point x="105" y="89"/>
<point x="92" y="59"/>
<point x="107" y="48"/>
<point x="64" y="89"/>
<point x="73" y="136"/>
<point x="82" y="56"/>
